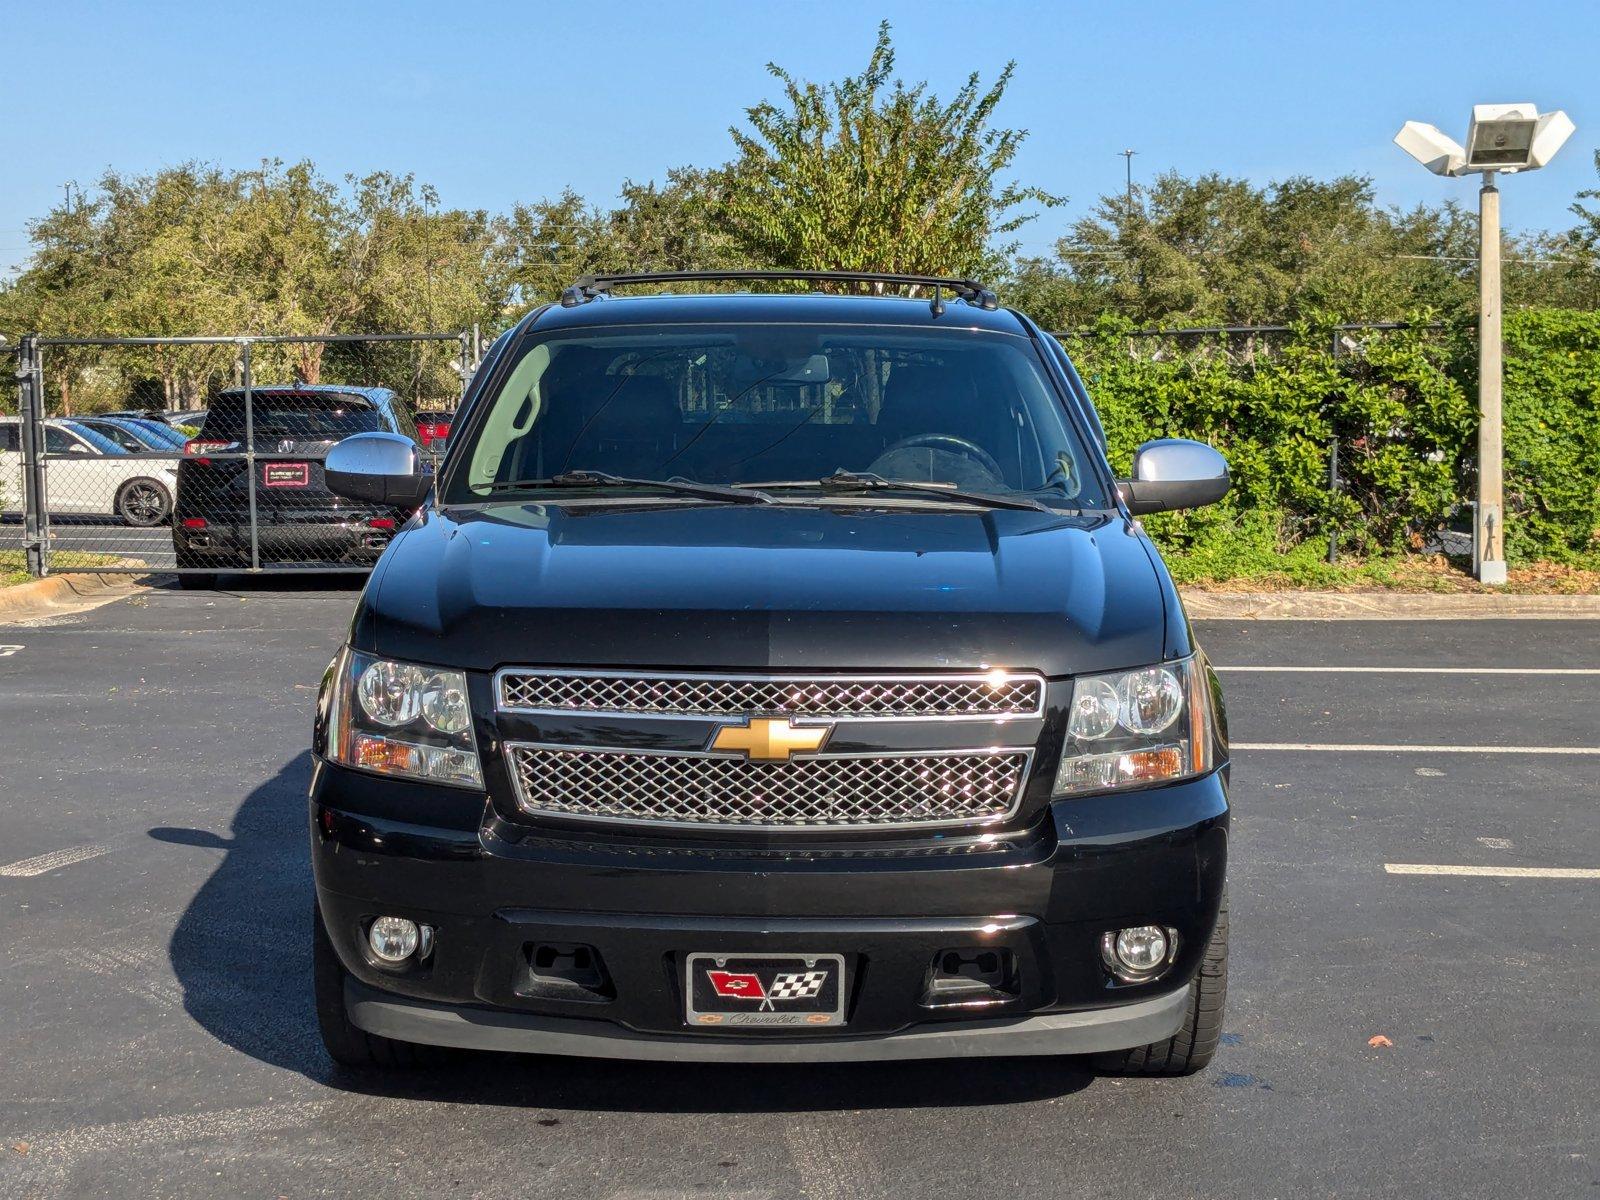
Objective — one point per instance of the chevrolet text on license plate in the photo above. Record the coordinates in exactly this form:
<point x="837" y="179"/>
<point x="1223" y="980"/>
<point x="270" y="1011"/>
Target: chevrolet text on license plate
<point x="764" y="989"/>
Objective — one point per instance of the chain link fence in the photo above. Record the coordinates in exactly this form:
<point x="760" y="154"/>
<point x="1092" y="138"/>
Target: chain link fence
<point x="1395" y="460"/>
<point x="205" y="454"/>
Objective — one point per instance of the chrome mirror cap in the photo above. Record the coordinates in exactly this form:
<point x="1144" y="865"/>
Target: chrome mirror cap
<point x="1174" y="473"/>
<point x="378" y="468"/>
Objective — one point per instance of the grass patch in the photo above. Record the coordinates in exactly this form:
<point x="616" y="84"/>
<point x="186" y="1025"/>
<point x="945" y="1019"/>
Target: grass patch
<point x="1306" y="568"/>
<point x="14" y="564"/>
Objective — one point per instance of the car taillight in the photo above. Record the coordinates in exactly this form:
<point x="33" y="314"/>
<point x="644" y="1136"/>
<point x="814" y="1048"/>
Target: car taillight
<point x="194" y="522"/>
<point x="380" y="523"/>
<point x="195" y="448"/>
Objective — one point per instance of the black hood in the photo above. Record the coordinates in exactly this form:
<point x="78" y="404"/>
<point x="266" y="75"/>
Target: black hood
<point x="683" y="586"/>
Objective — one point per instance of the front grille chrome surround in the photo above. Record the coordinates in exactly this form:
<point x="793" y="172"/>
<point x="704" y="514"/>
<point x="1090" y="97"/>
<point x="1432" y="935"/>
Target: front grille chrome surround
<point x="992" y="696"/>
<point x="917" y="789"/>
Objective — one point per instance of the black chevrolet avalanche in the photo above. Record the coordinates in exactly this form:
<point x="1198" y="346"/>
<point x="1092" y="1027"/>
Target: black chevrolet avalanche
<point x="772" y="678"/>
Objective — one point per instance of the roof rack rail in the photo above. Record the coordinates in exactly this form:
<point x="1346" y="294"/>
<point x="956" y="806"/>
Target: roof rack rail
<point x="588" y="287"/>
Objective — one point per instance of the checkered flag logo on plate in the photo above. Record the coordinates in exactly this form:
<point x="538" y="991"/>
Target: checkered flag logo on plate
<point x="797" y="985"/>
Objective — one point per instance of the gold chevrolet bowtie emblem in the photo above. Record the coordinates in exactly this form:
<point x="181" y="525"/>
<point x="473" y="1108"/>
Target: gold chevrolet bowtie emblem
<point x="770" y="740"/>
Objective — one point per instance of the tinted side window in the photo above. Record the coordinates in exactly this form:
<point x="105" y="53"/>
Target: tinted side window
<point x="10" y="437"/>
<point x="58" y="441"/>
<point x="118" y="435"/>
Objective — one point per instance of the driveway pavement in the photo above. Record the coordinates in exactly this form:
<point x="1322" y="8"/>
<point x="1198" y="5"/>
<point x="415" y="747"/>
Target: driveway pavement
<point x="156" y="1037"/>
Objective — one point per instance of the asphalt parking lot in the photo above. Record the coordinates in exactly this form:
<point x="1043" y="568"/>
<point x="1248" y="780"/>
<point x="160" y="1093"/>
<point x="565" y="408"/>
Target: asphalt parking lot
<point x="156" y="1037"/>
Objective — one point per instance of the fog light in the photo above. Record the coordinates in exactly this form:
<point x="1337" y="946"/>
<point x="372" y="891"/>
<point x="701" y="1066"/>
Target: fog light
<point x="1139" y="952"/>
<point x="394" y="939"/>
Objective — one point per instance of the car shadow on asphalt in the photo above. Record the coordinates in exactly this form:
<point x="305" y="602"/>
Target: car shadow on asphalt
<point x="242" y="953"/>
<point x="236" y="583"/>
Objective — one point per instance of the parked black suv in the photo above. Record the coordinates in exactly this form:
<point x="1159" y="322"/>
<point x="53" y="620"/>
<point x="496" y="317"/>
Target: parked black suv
<point x="298" y="519"/>
<point x="772" y="678"/>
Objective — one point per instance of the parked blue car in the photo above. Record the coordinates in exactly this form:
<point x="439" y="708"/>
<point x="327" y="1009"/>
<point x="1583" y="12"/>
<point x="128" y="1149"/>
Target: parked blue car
<point x="135" y="435"/>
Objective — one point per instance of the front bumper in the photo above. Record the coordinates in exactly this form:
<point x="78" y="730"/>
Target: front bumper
<point x="469" y="1028"/>
<point x="495" y="890"/>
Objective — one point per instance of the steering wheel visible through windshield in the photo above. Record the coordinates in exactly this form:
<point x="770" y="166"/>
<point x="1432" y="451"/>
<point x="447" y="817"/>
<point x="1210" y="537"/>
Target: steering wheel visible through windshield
<point x="760" y="404"/>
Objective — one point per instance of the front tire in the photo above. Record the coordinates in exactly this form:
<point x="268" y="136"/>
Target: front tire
<point x="345" y="1043"/>
<point x="144" y="503"/>
<point x="1192" y="1047"/>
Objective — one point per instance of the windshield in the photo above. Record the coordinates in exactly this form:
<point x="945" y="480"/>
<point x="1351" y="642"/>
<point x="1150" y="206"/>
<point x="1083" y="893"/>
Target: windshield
<point x="726" y="404"/>
<point x="115" y="433"/>
<point x="154" y="434"/>
<point x="309" y="416"/>
<point x="136" y="435"/>
<point x="56" y="443"/>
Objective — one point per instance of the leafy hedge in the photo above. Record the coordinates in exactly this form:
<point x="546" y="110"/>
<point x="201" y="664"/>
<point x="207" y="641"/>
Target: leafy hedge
<point x="1402" y="405"/>
<point x="1552" y="398"/>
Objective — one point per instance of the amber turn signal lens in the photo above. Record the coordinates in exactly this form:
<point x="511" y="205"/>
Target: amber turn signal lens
<point x="383" y="754"/>
<point x="1164" y="762"/>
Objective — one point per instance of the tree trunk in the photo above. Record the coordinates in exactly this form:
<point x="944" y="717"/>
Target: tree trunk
<point x="308" y="361"/>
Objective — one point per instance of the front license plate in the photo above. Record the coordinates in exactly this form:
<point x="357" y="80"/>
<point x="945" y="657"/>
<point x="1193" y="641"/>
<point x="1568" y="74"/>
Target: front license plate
<point x="286" y="474"/>
<point x="764" y="989"/>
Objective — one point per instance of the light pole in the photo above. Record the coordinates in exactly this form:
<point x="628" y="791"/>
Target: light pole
<point x="1502" y="139"/>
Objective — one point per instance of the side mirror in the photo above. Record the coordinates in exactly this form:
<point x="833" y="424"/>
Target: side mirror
<point x="1174" y="473"/>
<point x="378" y="468"/>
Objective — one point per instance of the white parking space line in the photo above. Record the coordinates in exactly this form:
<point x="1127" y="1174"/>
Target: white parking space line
<point x="54" y="861"/>
<point x="1399" y="748"/>
<point x="1493" y="872"/>
<point x="1413" y="670"/>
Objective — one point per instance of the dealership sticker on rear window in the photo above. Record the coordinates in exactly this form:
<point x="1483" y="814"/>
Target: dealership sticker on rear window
<point x="285" y="474"/>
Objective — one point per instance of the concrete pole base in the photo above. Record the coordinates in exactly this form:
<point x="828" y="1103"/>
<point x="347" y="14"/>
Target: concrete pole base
<point x="1492" y="572"/>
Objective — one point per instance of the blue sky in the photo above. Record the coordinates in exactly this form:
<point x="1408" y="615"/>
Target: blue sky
<point x="495" y="103"/>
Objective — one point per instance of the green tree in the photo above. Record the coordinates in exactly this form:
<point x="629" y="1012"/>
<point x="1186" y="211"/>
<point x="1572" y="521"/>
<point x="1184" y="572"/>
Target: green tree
<point x="871" y="175"/>
<point x="1214" y="250"/>
<point x="276" y="249"/>
<point x="1588" y="228"/>
<point x="546" y="244"/>
<point x="673" y="226"/>
<point x="129" y="259"/>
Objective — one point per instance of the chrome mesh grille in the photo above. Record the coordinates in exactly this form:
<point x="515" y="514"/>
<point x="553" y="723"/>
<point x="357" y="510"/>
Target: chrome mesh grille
<point x="858" y="697"/>
<point x="821" y="792"/>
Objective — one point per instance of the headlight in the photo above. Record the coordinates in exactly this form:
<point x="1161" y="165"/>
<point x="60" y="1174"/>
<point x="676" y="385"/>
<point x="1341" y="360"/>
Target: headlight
<point x="1135" y="728"/>
<point x="398" y="718"/>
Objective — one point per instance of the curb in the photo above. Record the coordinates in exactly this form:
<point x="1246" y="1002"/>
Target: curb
<point x="1384" y="606"/>
<point x="58" y="595"/>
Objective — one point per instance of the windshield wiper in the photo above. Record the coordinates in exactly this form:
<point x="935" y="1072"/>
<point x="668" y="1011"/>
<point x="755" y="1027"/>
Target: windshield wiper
<point x="866" y="481"/>
<point x="601" y="479"/>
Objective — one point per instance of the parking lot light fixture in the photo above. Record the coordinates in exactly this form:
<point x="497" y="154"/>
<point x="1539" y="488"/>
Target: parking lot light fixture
<point x="1502" y="139"/>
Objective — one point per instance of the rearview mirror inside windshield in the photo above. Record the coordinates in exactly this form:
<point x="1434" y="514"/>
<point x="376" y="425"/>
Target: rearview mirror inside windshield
<point x="812" y="369"/>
